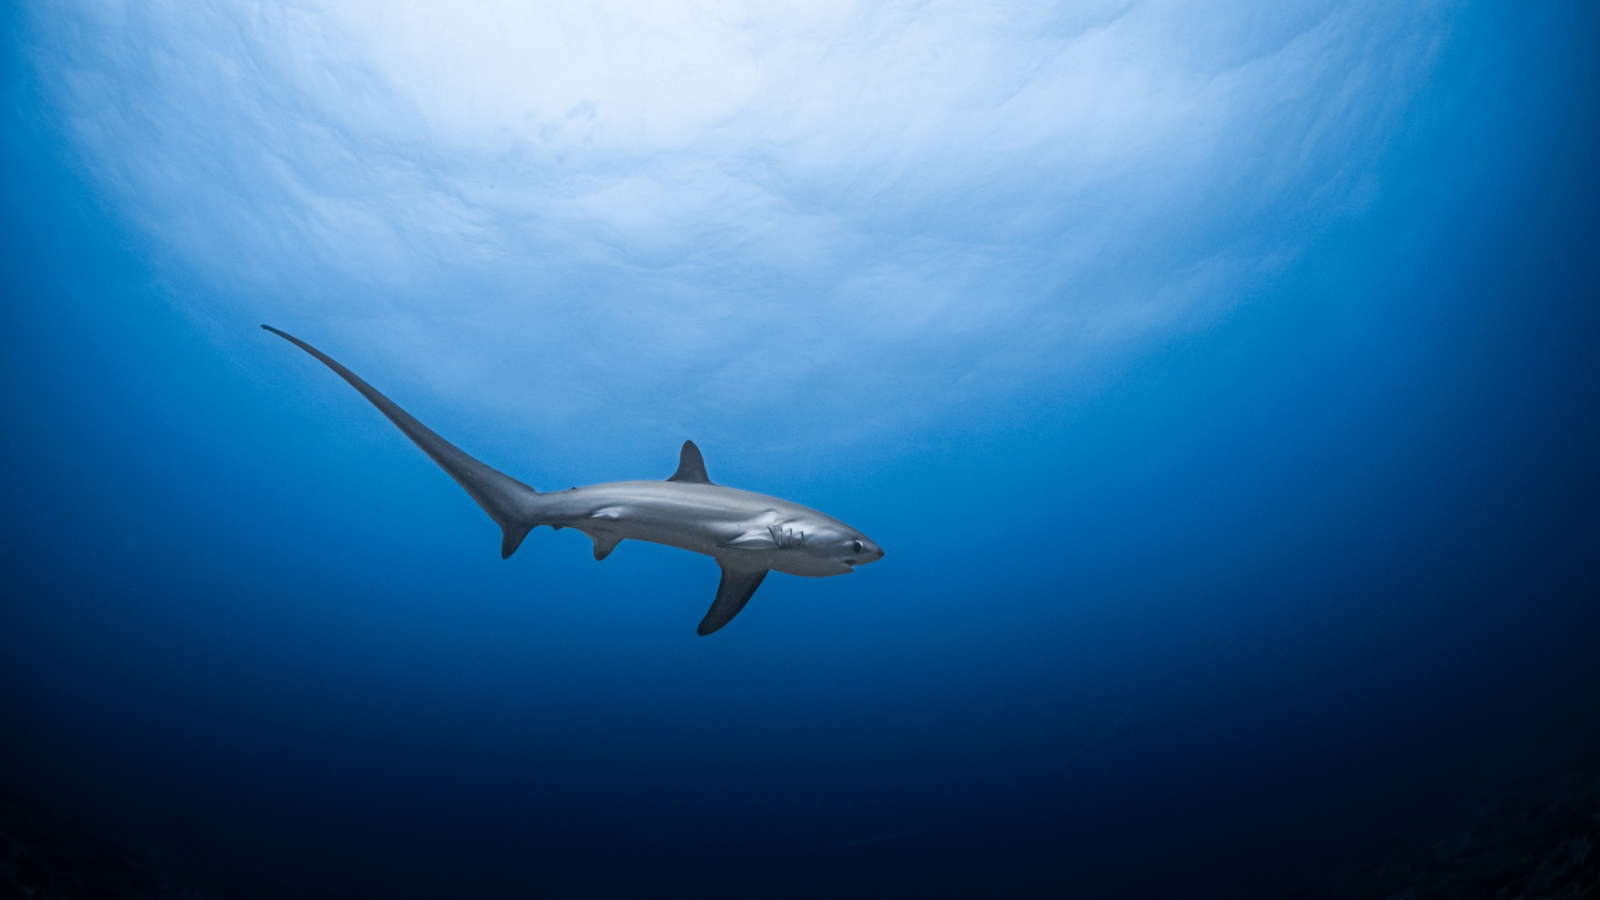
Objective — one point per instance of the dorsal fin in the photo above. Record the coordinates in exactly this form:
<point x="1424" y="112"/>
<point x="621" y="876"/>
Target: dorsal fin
<point x="691" y="465"/>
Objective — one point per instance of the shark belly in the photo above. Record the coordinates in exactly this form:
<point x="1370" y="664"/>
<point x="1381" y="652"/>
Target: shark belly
<point x="702" y="519"/>
<point x="643" y="511"/>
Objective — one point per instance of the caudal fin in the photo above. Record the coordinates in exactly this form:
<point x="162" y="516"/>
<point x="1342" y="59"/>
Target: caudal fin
<point x="508" y="501"/>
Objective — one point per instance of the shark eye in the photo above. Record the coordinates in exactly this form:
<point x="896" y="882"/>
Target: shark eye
<point x="855" y="546"/>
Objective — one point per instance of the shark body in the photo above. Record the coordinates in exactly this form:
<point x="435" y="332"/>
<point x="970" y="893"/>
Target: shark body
<point x="748" y="534"/>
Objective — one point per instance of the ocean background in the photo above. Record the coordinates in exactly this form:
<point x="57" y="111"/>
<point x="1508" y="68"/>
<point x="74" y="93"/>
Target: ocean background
<point x="1223" y="385"/>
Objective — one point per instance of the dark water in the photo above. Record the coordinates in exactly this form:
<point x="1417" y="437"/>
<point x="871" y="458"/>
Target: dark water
<point x="1304" y="604"/>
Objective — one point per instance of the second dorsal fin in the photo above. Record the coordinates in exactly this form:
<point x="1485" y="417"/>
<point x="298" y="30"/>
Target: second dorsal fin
<point x="691" y="465"/>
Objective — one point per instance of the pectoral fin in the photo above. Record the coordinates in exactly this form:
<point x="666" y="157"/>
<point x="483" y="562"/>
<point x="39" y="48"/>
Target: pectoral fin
<point x="736" y="589"/>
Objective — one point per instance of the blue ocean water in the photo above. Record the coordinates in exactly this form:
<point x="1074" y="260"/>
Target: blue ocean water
<point x="1306" y="568"/>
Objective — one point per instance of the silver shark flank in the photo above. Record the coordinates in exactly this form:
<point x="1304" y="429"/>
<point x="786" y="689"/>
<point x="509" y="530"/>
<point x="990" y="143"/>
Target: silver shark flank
<point x="748" y="534"/>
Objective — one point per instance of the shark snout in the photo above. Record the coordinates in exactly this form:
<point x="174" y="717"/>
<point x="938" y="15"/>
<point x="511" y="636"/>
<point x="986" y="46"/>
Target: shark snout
<point x="870" y="552"/>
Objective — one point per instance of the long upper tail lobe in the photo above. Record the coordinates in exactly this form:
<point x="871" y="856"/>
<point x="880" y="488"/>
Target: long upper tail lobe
<point x="508" y="501"/>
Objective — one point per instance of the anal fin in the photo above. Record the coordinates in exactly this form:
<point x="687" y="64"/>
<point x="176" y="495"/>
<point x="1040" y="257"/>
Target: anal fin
<point x="736" y="589"/>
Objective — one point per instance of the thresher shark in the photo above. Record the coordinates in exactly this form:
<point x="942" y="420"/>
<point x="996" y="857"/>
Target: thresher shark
<point x="748" y="534"/>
